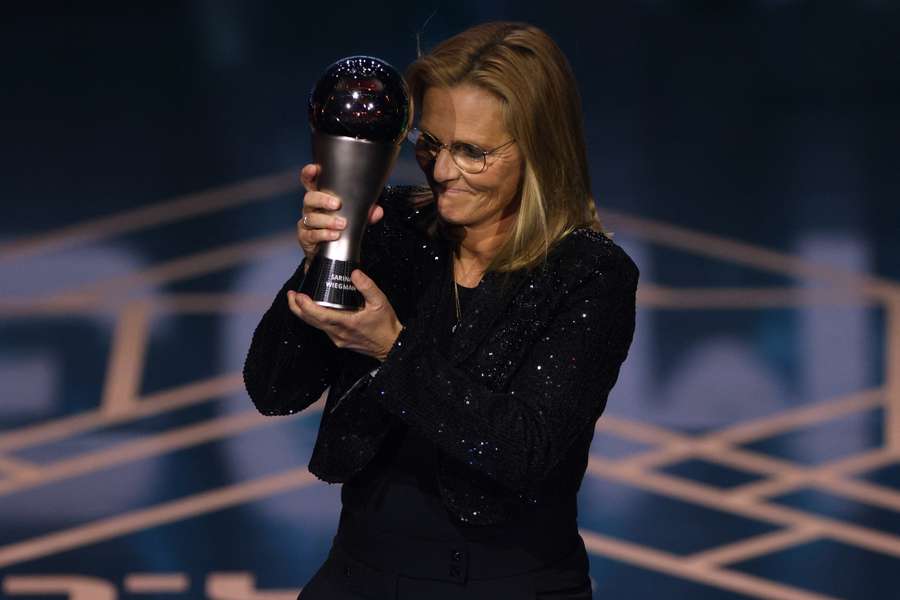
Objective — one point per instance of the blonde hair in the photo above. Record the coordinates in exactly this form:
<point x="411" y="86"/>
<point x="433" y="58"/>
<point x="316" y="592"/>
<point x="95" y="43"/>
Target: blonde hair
<point x="525" y="69"/>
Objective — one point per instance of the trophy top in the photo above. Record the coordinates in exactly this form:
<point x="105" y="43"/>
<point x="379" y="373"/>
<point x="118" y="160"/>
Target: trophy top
<point x="361" y="97"/>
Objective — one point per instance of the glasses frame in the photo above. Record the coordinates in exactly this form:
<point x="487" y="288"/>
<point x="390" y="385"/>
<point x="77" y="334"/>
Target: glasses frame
<point x="415" y="134"/>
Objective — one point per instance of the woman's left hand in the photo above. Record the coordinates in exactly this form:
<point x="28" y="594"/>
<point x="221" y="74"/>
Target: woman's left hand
<point x="371" y="331"/>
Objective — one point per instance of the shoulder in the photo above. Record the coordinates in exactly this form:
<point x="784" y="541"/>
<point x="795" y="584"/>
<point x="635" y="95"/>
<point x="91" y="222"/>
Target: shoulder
<point x="410" y="206"/>
<point x="401" y="234"/>
<point x="406" y="213"/>
<point x="591" y="257"/>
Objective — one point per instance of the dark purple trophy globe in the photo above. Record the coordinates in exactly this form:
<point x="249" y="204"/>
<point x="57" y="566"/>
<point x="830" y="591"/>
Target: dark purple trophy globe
<point x="360" y="111"/>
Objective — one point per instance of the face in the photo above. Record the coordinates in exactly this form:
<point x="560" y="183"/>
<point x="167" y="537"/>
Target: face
<point x="470" y="114"/>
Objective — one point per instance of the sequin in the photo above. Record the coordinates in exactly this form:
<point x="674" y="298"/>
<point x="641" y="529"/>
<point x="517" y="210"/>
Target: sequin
<point x="512" y="404"/>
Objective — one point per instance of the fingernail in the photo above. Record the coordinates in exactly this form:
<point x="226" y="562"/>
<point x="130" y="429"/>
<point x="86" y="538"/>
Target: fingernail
<point x="341" y="221"/>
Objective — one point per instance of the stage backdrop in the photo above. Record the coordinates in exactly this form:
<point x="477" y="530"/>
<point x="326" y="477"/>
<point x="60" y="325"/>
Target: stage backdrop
<point x="743" y="153"/>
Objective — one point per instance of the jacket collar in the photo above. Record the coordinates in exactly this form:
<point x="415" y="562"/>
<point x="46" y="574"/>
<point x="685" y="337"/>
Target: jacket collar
<point x="488" y="301"/>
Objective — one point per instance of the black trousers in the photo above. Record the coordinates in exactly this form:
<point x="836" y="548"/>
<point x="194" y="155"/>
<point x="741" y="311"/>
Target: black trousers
<point x="364" y="567"/>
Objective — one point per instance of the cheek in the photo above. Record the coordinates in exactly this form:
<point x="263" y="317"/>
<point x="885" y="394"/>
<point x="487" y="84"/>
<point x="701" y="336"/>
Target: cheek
<point x="505" y="188"/>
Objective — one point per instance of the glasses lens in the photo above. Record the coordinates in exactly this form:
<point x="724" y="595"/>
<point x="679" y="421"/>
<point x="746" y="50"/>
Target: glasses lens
<point x="425" y="150"/>
<point x="468" y="157"/>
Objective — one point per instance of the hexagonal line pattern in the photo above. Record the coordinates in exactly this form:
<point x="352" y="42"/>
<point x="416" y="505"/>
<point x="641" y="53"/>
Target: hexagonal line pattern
<point x="147" y="446"/>
<point x="152" y="516"/>
<point x="184" y="206"/>
<point x="804" y="529"/>
<point x="119" y="403"/>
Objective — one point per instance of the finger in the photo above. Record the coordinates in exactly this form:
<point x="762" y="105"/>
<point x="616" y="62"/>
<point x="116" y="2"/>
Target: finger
<point x="376" y="214"/>
<point x="312" y="237"/>
<point x="292" y="304"/>
<point x="321" y="220"/>
<point x="296" y="302"/>
<point x="308" y="175"/>
<point x="321" y="201"/>
<point x="319" y="316"/>
<point x="373" y="296"/>
<point x="325" y="235"/>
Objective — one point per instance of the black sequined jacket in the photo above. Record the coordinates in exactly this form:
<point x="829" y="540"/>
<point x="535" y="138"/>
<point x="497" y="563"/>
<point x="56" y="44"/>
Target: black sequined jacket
<point x="510" y="403"/>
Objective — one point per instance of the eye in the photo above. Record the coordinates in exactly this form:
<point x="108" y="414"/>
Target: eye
<point x="428" y="140"/>
<point x="469" y="151"/>
<point x="424" y="145"/>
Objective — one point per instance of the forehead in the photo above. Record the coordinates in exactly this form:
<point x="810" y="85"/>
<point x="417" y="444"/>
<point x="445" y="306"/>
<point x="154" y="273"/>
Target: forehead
<point x="463" y="113"/>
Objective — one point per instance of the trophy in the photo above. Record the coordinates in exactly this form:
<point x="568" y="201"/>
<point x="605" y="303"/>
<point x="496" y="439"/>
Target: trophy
<point x="360" y="112"/>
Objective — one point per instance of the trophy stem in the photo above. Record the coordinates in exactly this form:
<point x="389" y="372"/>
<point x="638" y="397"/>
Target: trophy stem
<point x="328" y="282"/>
<point x="355" y="171"/>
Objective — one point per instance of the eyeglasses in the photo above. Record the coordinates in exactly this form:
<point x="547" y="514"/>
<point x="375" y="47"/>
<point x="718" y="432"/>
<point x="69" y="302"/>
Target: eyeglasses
<point x="468" y="157"/>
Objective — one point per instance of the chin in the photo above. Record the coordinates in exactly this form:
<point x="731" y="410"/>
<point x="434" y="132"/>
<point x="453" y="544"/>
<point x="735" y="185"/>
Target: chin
<point x="442" y="205"/>
<point x="450" y="218"/>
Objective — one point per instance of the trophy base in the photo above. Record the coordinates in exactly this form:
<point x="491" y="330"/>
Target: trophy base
<point x="328" y="283"/>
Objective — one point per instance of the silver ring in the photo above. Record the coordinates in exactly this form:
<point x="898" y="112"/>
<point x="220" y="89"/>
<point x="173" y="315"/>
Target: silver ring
<point x="305" y="222"/>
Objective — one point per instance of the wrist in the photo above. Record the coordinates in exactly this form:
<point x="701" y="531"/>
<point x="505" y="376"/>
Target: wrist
<point x="398" y="327"/>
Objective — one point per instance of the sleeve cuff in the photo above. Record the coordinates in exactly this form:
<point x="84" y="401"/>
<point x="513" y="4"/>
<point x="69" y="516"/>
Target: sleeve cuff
<point x="297" y="279"/>
<point x="400" y="348"/>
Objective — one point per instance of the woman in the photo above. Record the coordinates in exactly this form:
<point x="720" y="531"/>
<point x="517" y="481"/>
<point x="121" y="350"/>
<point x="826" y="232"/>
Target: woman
<point x="463" y="396"/>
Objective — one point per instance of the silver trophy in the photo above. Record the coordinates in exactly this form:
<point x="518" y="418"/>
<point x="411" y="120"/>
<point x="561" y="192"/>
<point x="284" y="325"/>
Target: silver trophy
<point x="360" y="112"/>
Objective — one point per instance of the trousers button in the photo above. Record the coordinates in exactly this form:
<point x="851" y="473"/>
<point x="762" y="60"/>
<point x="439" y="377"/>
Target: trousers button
<point x="456" y="556"/>
<point x="454" y="571"/>
<point x="347" y="571"/>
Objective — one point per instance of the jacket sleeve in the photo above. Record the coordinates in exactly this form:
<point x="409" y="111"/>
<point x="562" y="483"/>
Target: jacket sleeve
<point x="516" y="437"/>
<point x="289" y="363"/>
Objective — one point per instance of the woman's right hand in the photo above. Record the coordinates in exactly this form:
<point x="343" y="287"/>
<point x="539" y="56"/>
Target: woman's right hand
<point x="318" y="208"/>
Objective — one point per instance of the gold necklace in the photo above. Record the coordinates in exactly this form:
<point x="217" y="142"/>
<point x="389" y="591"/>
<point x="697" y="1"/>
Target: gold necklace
<point x="458" y="312"/>
<point x="456" y="292"/>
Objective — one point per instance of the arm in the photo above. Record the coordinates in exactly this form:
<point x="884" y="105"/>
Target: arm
<point x="289" y="363"/>
<point x="517" y="437"/>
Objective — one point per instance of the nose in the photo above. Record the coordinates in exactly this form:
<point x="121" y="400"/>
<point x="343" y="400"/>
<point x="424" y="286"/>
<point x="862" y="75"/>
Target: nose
<point x="444" y="167"/>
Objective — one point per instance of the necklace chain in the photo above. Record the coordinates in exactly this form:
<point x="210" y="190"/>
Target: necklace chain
<point x="456" y="293"/>
<point x="458" y="312"/>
